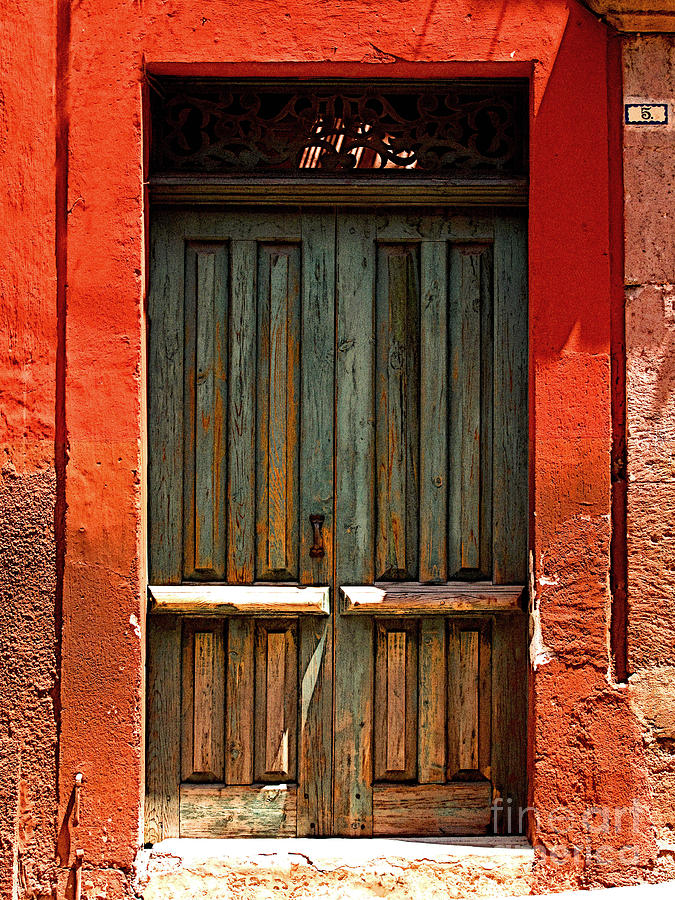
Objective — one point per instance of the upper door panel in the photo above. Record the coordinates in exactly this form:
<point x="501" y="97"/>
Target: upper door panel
<point x="241" y="342"/>
<point x="432" y="473"/>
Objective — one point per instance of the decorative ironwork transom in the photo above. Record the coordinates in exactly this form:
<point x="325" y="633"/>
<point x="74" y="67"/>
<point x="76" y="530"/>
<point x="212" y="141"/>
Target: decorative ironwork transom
<point x="454" y="128"/>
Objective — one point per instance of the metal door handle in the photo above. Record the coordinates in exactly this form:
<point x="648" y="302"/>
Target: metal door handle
<point x="317" y="551"/>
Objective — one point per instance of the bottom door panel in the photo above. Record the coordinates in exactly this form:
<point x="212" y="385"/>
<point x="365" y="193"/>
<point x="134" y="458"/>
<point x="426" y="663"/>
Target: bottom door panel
<point x="448" y="725"/>
<point x="429" y="810"/>
<point x="222" y="811"/>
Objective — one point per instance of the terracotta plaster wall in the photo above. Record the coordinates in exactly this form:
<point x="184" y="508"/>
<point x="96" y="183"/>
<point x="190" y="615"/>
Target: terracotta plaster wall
<point x="28" y="491"/>
<point x="649" y="175"/>
<point x="586" y="747"/>
<point x="585" y="743"/>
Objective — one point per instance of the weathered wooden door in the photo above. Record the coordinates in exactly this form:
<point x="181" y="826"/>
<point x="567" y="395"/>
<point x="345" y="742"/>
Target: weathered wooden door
<point x="338" y="523"/>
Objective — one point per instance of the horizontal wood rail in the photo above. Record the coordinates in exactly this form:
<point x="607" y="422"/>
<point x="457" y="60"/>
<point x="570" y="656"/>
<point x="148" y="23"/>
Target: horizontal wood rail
<point x="411" y="599"/>
<point x="239" y="600"/>
<point x="249" y="810"/>
<point x="172" y="191"/>
<point x="432" y="809"/>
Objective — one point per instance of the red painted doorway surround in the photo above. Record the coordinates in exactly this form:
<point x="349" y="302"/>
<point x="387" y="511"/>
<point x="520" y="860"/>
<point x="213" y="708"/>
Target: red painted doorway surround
<point x="107" y="52"/>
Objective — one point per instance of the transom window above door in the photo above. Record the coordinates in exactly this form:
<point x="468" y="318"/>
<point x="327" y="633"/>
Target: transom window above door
<point x="454" y="129"/>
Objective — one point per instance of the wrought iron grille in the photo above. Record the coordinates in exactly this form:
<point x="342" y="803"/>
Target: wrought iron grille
<point x="457" y="129"/>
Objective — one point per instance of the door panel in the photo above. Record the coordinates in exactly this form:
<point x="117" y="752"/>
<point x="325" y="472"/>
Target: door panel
<point x="433" y="464"/>
<point x="276" y="705"/>
<point x="225" y="461"/>
<point x="422" y="342"/>
<point x="239" y="714"/>
<point x="337" y="398"/>
<point x="396" y="411"/>
<point x="469" y="698"/>
<point x="277" y="405"/>
<point x="203" y="705"/>
<point x="395" y="722"/>
<point x="470" y="449"/>
<point x="241" y="456"/>
<point x="205" y="392"/>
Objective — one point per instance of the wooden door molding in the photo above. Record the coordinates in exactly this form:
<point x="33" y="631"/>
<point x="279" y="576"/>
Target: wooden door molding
<point x="239" y="600"/>
<point x="402" y="599"/>
<point x="192" y="192"/>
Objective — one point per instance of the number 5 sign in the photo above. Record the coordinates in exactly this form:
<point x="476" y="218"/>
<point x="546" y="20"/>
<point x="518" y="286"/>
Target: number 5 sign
<point x="646" y="113"/>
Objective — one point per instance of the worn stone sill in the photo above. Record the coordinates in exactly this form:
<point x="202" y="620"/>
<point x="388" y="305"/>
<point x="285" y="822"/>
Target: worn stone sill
<point x="335" y="867"/>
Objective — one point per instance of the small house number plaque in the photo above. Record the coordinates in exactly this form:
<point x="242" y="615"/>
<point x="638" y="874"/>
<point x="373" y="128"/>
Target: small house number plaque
<point x="646" y="113"/>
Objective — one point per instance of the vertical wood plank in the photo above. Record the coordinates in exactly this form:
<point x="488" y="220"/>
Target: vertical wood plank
<point x="209" y="703"/>
<point x="396" y="697"/>
<point x="187" y="709"/>
<point x="205" y="423"/>
<point x="163" y="716"/>
<point x="203" y="701"/>
<point x="456" y="425"/>
<point x="485" y="698"/>
<point x="277" y="456"/>
<point x="315" y="775"/>
<point x="165" y="400"/>
<point x="468" y="699"/>
<point x="209" y="396"/>
<point x="276" y="449"/>
<point x="509" y="718"/>
<point x="317" y="392"/>
<point x="486" y="410"/>
<point x="315" y="764"/>
<point x="472" y="338"/>
<point x="276" y="697"/>
<point x="397" y="420"/>
<point x="465" y="407"/>
<point x="432" y="701"/>
<point x="241" y="418"/>
<point x="203" y="750"/>
<point x="433" y="413"/>
<point x="191" y="303"/>
<point x="510" y="400"/>
<point x="239" y="706"/>
<point x="395" y="723"/>
<point x="380" y="702"/>
<point x="470" y="392"/>
<point x="276" y="730"/>
<point x="353" y="650"/>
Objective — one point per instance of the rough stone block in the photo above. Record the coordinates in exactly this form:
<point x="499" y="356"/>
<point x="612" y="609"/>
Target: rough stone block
<point x="650" y="382"/>
<point x="651" y="574"/>
<point x="649" y="162"/>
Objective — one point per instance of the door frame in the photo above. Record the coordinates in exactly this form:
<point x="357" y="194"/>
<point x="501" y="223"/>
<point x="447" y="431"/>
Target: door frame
<point x="390" y="197"/>
<point x="573" y="196"/>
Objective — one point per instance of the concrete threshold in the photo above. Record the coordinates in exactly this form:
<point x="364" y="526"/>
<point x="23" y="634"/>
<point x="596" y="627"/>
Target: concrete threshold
<point x="301" y="869"/>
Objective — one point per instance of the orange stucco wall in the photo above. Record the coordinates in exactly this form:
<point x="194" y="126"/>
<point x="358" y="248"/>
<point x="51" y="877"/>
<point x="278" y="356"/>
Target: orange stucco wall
<point x="73" y="271"/>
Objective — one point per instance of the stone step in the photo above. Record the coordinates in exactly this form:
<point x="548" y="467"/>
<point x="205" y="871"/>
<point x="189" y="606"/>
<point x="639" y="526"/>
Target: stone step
<point x="258" y="869"/>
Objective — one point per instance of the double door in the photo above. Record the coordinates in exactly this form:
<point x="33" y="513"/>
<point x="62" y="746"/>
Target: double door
<point x="337" y="523"/>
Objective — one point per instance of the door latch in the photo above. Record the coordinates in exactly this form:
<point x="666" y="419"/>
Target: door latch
<point x="317" y="551"/>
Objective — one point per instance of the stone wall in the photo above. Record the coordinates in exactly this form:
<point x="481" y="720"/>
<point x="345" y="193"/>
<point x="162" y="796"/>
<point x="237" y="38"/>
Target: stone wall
<point x="649" y="180"/>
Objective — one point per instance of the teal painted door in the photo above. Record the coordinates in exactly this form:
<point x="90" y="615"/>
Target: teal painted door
<point x="336" y="399"/>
